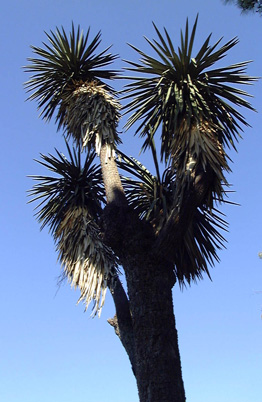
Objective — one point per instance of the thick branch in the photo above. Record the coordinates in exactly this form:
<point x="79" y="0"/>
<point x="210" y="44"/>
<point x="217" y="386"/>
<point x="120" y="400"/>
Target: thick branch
<point x="180" y="217"/>
<point x="111" y="178"/>
<point x="122" y="321"/>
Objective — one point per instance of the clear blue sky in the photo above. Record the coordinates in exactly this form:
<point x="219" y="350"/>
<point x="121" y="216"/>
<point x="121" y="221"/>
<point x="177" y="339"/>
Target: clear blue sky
<point x="50" y="350"/>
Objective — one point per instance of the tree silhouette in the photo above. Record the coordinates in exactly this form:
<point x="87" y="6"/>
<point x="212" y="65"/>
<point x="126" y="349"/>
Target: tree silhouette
<point x="112" y="216"/>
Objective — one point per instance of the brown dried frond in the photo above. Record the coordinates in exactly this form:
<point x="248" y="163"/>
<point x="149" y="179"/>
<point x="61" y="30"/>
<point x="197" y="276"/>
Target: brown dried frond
<point x="88" y="263"/>
<point x="91" y="116"/>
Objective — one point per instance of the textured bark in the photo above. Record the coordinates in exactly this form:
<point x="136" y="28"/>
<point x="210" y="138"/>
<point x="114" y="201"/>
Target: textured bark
<point x="145" y="322"/>
<point x="122" y="322"/>
<point x="150" y="281"/>
<point x="112" y="182"/>
<point x="158" y="365"/>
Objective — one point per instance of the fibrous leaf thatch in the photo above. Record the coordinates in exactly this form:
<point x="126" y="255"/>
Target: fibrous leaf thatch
<point x="70" y="204"/>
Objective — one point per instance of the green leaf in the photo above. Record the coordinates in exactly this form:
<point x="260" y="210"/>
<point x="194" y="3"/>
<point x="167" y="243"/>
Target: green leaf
<point x="63" y="61"/>
<point x="177" y="88"/>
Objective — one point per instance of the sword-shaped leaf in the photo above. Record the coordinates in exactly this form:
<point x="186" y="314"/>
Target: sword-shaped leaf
<point x="68" y="78"/>
<point x="70" y="204"/>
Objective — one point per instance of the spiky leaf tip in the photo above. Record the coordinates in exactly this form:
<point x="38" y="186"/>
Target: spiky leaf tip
<point x="173" y="89"/>
<point x="63" y="64"/>
<point x="70" y="204"/>
<point x="75" y="182"/>
<point x="88" y="264"/>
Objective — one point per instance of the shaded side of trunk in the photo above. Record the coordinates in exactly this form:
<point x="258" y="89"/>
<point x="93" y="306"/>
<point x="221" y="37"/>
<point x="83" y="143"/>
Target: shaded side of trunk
<point x="122" y="322"/>
<point x="179" y="219"/>
<point x="158" y="364"/>
<point x="152" y="343"/>
<point x="150" y="281"/>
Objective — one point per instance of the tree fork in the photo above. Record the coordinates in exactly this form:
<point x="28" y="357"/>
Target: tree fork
<point x="151" y="338"/>
<point x="149" y="281"/>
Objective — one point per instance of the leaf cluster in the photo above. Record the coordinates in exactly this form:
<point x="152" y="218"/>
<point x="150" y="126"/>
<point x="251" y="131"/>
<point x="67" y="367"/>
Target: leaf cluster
<point x="155" y="199"/>
<point x="63" y="63"/>
<point x="175" y="90"/>
<point x="70" y="203"/>
<point x="73" y="186"/>
<point x="151" y="196"/>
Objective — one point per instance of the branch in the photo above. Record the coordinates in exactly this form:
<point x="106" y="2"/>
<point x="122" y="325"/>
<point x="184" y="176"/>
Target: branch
<point x="122" y="321"/>
<point x="180" y="217"/>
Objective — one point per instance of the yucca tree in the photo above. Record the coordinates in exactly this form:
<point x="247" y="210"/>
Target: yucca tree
<point x="161" y="227"/>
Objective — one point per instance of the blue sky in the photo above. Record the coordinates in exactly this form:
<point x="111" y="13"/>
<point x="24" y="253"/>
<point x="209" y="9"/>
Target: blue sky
<point x="51" y="351"/>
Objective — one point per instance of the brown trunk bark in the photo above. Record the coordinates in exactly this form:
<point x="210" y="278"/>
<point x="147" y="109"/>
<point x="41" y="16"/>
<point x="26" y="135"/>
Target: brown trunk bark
<point x="151" y="342"/>
<point x="158" y="365"/>
<point x="179" y="219"/>
<point x="122" y="322"/>
<point x="112" y="182"/>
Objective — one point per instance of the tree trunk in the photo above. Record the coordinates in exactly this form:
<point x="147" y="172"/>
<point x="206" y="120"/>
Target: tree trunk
<point x="158" y="365"/>
<point x="150" y="280"/>
<point x="150" y="339"/>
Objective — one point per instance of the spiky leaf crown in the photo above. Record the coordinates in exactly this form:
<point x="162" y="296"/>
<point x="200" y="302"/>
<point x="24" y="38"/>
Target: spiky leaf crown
<point x="70" y="204"/>
<point x="65" y="69"/>
<point x="91" y="116"/>
<point x="88" y="263"/>
<point x="62" y="63"/>
<point x="74" y="185"/>
<point x="178" y="92"/>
